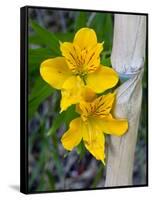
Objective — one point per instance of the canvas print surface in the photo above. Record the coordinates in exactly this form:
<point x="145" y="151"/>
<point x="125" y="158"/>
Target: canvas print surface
<point x="86" y="99"/>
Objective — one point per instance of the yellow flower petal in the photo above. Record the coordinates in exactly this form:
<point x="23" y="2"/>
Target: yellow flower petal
<point x="94" y="139"/>
<point x="73" y="136"/>
<point x="83" y="54"/>
<point x="72" y="54"/>
<point x="112" y="126"/>
<point x="88" y="95"/>
<point x="99" y="107"/>
<point x="92" y="59"/>
<point x="55" y="71"/>
<point x="73" y="82"/>
<point x="96" y="148"/>
<point x="85" y="38"/>
<point x="71" y="92"/>
<point x="102" y="79"/>
<point x="104" y="104"/>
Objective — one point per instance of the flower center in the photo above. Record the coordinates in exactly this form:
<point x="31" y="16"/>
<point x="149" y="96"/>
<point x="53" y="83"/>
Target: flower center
<point x="99" y="108"/>
<point x="83" y="61"/>
<point x="82" y="75"/>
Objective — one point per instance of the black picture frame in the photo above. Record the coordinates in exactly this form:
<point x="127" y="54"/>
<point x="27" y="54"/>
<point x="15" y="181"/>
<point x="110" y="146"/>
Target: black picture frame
<point x="24" y="98"/>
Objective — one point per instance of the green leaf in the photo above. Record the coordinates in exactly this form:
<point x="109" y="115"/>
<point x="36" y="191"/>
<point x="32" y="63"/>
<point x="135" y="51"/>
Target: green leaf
<point x="64" y="37"/>
<point x="81" y="20"/>
<point x="103" y="25"/>
<point x="81" y="150"/>
<point x="108" y="32"/>
<point x="51" y="179"/>
<point x="39" y="93"/>
<point x="98" y="176"/>
<point x="58" y="120"/>
<point x="36" y="56"/>
<point x="55" y="155"/>
<point x="62" y="118"/>
<point x="105" y="58"/>
<point x="48" y="38"/>
<point x="106" y="62"/>
<point x="98" y="24"/>
<point x="70" y="114"/>
<point x="35" y="39"/>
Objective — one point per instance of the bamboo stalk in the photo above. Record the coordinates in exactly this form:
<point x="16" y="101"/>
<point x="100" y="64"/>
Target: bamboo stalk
<point x="127" y="58"/>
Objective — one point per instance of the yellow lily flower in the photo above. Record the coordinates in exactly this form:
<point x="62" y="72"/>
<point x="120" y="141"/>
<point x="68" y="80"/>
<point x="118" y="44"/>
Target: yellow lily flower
<point x="79" y="67"/>
<point x="95" y="120"/>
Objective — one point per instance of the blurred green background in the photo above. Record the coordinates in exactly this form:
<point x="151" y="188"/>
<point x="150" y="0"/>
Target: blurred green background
<point x="51" y="168"/>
